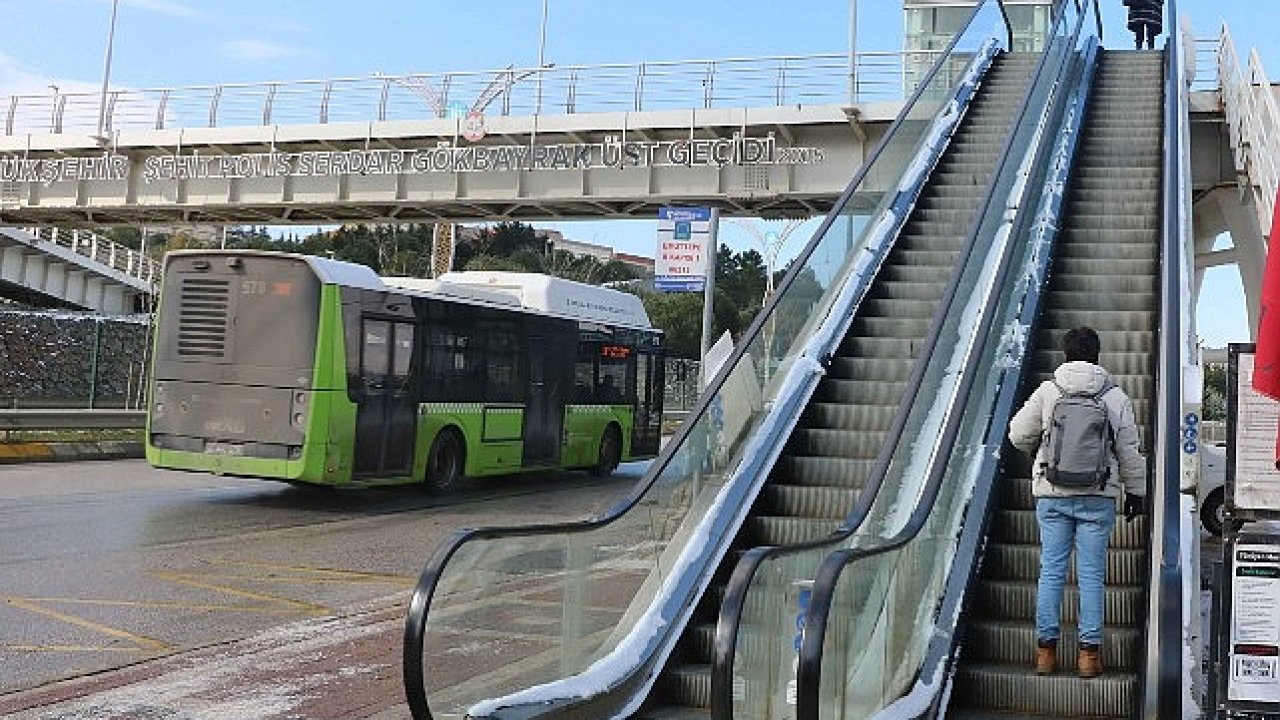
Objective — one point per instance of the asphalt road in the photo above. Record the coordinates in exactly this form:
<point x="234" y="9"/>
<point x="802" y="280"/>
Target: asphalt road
<point x="106" y="564"/>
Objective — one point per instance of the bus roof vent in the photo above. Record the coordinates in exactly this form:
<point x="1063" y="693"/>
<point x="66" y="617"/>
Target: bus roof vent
<point x="202" y="317"/>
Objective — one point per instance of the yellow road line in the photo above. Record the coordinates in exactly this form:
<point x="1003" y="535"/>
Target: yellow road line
<point x="143" y="642"/>
<point x="181" y="579"/>
<point x="159" y="604"/>
<point x="350" y="575"/>
<point x="68" y="649"/>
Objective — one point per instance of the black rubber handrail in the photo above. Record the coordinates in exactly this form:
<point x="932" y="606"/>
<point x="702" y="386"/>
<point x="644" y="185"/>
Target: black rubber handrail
<point x="730" y="618"/>
<point x="809" y="666"/>
<point x="1167" y="585"/>
<point x="424" y="591"/>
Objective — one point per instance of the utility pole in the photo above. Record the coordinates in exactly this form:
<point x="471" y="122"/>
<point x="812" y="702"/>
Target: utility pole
<point x="106" y="70"/>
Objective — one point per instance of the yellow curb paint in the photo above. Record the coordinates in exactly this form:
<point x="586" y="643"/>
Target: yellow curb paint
<point x="25" y="451"/>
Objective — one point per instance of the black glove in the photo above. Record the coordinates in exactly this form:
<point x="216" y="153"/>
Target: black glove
<point x="1134" y="505"/>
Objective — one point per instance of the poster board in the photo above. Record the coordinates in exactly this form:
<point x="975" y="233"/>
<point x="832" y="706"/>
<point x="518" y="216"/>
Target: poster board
<point x="1253" y="421"/>
<point x="1251" y="662"/>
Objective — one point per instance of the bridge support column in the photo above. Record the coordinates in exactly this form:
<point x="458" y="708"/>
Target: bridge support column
<point x="13" y="261"/>
<point x="55" y="280"/>
<point x="1225" y="209"/>
<point x="75" y="287"/>
<point x="113" y="301"/>
<point x="94" y="297"/>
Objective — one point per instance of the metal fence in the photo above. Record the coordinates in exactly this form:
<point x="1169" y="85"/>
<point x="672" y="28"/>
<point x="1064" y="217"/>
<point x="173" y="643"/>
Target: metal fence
<point x="557" y="90"/>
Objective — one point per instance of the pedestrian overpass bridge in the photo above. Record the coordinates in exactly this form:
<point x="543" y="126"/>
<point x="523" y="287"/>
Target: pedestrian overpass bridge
<point x="767" y="137"/>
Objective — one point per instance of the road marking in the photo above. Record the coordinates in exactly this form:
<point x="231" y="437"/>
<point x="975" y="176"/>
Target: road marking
<point x="196" y="582"/>
<point x="161" y="605"/>
<point x="143" y="642"/>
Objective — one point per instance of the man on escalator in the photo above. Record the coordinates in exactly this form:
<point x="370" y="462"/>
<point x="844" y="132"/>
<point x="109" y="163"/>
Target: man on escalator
<point x="1145" y="21"/>
<point x="1087" y="459"/>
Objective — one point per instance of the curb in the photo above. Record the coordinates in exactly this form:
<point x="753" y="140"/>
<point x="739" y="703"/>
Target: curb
<point x="28" y="452"/>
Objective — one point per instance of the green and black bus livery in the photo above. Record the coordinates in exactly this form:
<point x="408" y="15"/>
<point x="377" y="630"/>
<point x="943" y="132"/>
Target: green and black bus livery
<point x="310" y="370"/>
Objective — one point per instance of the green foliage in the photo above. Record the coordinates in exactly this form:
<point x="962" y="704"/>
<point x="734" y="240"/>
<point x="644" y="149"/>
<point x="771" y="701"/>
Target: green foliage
<point x="1214" y="404"/>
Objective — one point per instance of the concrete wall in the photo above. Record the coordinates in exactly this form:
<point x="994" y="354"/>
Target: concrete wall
<point x="47" y="359"/>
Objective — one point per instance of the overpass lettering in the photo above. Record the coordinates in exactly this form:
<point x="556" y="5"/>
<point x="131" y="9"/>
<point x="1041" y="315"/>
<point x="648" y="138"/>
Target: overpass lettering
<point x="445" y="157"/>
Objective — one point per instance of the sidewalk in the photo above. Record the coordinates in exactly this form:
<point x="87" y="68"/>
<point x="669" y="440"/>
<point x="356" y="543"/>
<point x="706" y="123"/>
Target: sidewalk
<point x="336" y="668"/>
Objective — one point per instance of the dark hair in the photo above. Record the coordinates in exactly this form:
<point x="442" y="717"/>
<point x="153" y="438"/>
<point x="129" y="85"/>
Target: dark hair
<point x="1081" y="344"/>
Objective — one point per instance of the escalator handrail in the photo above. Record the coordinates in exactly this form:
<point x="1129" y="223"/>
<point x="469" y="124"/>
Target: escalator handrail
<point x="740" y="582"/>
<point x="927" y="692"/>
<point x="809" y="667"/>
<point x="1165" y="581"/>
<point x="424" y="591"/>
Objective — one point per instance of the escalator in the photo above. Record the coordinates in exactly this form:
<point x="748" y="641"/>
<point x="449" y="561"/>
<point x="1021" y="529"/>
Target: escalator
<point x="1104" y="275"/>
<point x="829" y="455"/>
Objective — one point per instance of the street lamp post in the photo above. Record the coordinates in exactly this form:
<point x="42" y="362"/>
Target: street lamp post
<point x="106" y="70"/>
<point x="542" y="50"/>
<point x="853" y="46"/>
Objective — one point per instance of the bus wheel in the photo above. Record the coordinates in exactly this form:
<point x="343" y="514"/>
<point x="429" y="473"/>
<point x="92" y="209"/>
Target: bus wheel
<point x="444" y="462"/>
<point x="610" y="452"/>
<point x="1212" y="513"/>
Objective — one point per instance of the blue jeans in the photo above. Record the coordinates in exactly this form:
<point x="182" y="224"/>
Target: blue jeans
<point x="1085" y="521"/>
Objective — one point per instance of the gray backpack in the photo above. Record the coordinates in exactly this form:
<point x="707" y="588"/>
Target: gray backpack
<point x="1079" y="440"/>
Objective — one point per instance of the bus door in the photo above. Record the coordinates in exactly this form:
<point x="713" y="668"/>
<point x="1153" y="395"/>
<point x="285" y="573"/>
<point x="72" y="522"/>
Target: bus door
<point x="551" y="358"/>
<point x="386" y="411"/>
<point x="646" y="434"/>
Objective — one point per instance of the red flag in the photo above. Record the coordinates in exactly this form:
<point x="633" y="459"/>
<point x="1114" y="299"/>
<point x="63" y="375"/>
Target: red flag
<point x="1266" y="360"/>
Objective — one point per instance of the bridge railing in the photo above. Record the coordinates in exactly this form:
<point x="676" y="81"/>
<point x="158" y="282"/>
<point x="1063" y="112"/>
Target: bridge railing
<point x="1253" y="121"/>
<point x="725" y="83"/>
<point x="103" y="250"/>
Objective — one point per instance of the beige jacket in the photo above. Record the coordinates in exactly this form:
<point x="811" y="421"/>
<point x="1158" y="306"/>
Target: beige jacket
<point x="1128" y="468"/>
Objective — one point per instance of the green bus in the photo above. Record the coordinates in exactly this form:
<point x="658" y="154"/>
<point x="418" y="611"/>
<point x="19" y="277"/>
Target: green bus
<point x="310" y="370"/>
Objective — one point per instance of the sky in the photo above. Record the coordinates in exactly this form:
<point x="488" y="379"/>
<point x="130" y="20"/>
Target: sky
<point x="162" y="43"/>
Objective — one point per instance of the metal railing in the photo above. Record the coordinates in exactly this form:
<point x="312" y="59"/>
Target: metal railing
<point x="558" y="90"/>
<point x="102" y="250"/>
<point x="1253" y="122"/>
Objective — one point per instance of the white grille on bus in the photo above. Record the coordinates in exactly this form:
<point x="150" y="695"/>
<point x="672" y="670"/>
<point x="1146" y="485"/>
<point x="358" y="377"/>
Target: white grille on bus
<point x="202" y="318"/>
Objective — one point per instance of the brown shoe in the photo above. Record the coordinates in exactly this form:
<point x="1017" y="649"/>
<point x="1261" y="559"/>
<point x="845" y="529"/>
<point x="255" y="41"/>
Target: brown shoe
<point x="1089" y="661"/>
<point x="1046" y="658"/>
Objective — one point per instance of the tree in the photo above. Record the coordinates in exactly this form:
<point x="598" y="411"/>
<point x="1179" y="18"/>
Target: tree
<point x="1214" y="404"/>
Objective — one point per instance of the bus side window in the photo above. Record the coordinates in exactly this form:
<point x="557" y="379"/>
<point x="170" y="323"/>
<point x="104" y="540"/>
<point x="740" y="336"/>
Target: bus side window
<point x="584" y="373"/>
<point x="375" y="352"/>
<point x="402" y="357"/>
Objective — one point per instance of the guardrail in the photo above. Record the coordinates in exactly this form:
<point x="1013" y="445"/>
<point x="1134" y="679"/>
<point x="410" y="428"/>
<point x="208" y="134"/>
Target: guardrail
<point x="72" y="419"/>
<point x="103" y="250"/>
<point x="1253" y="120"/>
<point x="676" y="85"/>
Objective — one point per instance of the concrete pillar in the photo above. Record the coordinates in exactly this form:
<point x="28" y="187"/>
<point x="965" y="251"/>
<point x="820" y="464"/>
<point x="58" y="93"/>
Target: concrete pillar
<point x="1226" y="209"/>
<point x="55" y="279"/>
<point x="112" y="299"/>
<point x="93" y="293"/>
<point x="12" y="263"/>
<point x="75" y="287"/>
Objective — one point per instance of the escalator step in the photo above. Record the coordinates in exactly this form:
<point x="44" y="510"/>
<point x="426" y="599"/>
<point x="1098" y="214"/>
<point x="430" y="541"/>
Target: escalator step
<point x="781" y="530"/>
<point x="859" y="391"/>
<point x="1114" y="300"/>
<point x="1105" y="283"/>
<point x="1104" y="321"/>
<point x="848" y="417"/>
<point x="688" y="685"/>
<point x="879" y="369"/>
<point x="810" y="502"/>
<point x="1022" y="562"/>
<point x="1016" y="600"/>
<point x="895" y="290"/>
<point x="1016" y="688"/>
<point x="822" y="471"/>
<point x="835" y="443"/>
<point x="912" y="328"/>
<point x="1015" y="643"/>
<point x="1126" y="343"/>
<point x="1019" y="527"/>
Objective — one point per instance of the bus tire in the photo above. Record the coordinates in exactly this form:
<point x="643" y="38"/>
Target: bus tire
<point x="1211" y="513"/>
<point x="610" y="452"/>
<point x="445" y="462"/>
